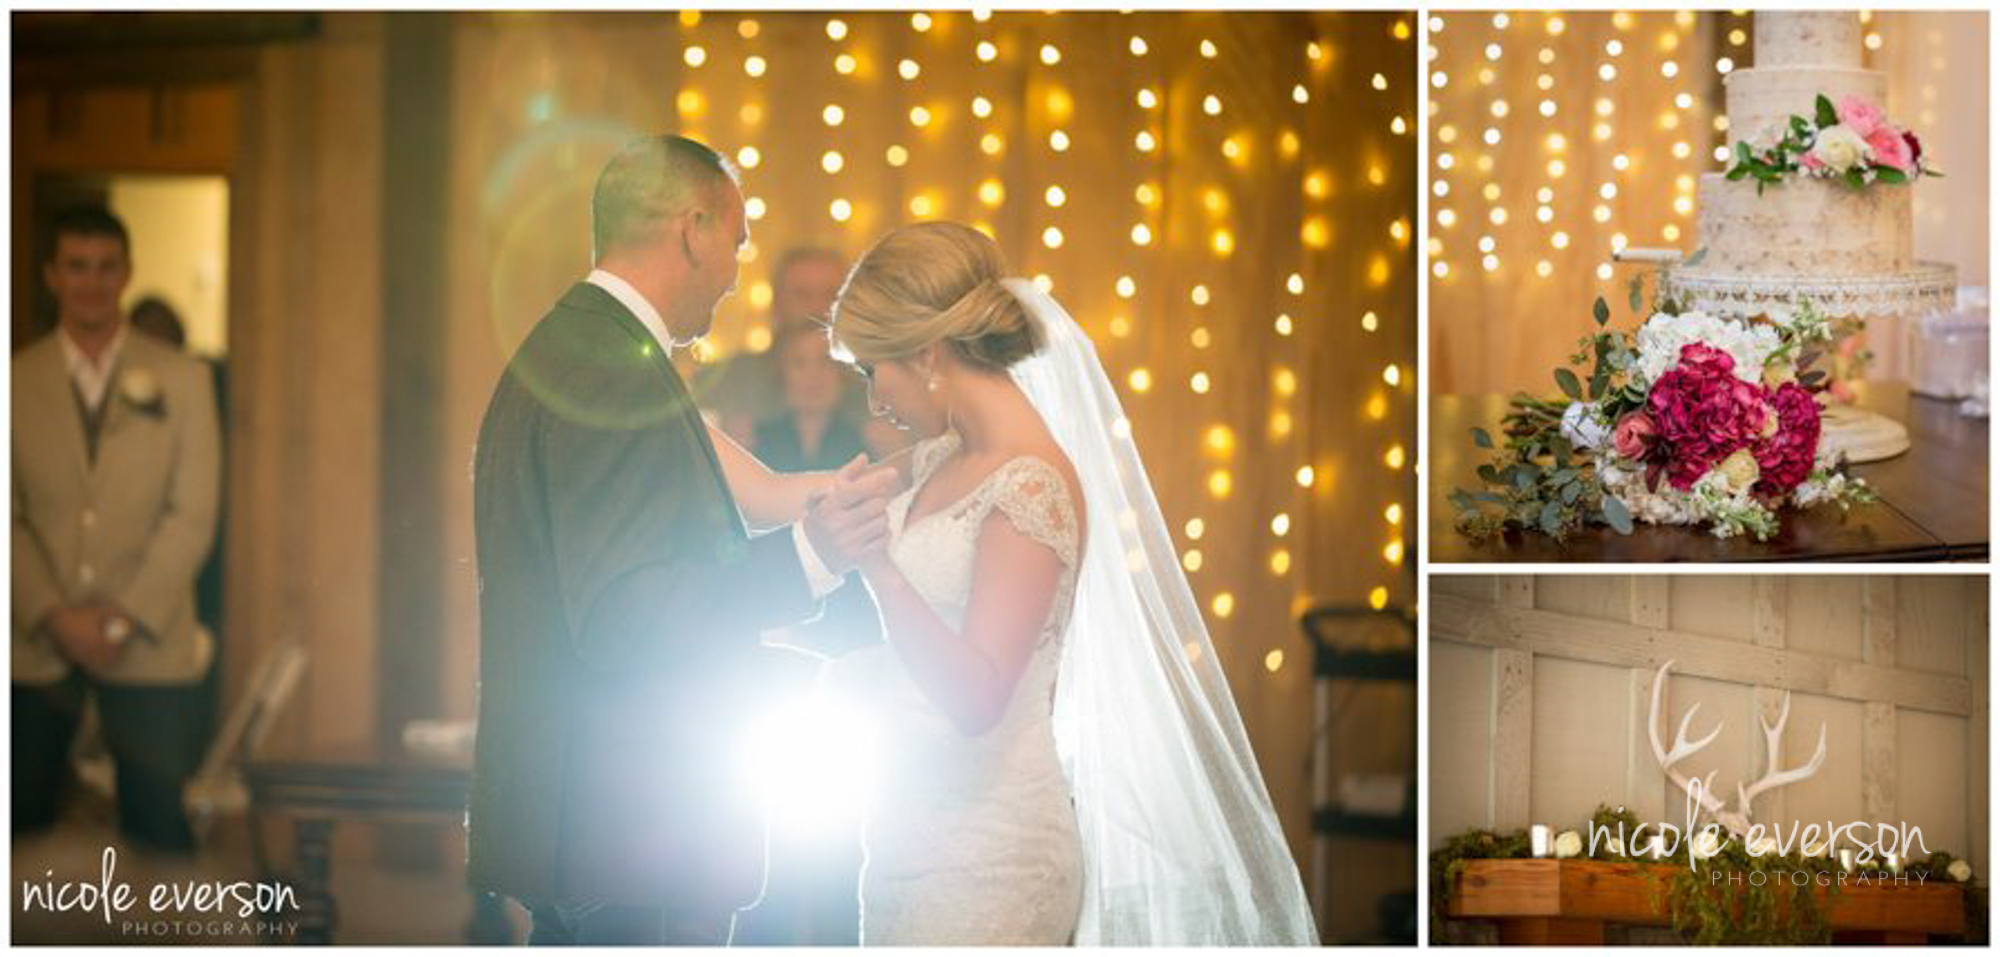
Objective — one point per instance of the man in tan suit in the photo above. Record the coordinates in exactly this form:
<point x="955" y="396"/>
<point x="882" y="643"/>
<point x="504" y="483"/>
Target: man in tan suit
<point x="116" y="466"/>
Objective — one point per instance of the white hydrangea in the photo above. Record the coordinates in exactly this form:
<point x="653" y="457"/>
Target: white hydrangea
<point x="1661" y="339"/>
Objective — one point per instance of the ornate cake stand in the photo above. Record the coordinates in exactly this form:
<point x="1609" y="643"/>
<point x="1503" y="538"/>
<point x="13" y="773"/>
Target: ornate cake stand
<point x="1925" y="287"/>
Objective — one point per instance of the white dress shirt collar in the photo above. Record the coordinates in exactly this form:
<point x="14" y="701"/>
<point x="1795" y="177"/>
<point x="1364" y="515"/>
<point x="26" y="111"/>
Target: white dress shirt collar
<point x="93" y="379"/>
<point x="637" y="304"/>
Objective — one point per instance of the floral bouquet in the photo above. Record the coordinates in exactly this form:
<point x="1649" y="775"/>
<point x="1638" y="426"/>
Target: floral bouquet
<point x="1692" y="420"/>
<point x="1853" y="143"/>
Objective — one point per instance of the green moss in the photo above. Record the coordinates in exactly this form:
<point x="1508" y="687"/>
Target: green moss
<point x="1705" y="906"/>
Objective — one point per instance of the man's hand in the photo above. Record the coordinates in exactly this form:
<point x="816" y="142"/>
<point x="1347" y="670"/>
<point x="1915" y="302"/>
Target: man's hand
<point x="79" y="632"/>
<point x="850" y="522"/>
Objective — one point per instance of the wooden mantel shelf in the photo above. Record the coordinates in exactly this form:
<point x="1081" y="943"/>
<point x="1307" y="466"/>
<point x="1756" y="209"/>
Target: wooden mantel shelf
<point x="1570" y="902"/>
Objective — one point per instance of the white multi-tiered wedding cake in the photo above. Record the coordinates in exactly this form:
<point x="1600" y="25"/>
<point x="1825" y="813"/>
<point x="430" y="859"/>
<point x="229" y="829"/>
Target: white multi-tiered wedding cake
<point x="1770" y="242"/>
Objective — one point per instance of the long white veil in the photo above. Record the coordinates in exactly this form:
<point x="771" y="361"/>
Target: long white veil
<point x="1181" y="844"/>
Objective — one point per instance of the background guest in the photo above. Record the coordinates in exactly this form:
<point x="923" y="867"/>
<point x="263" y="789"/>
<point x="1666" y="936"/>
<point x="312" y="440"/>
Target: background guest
<point x="115" y="491"/>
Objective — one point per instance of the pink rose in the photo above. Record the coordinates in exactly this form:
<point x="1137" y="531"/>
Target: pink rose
<point x="1634" y="436"/>
<point x="1891" y="149"/>
<point x="1786" y="457"/>
<point x="1703" y="413"/>
<point x="1861" y="114"/>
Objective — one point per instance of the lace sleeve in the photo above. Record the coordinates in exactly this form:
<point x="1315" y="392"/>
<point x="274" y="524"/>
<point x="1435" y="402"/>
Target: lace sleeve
<point x="1036" y="500"/>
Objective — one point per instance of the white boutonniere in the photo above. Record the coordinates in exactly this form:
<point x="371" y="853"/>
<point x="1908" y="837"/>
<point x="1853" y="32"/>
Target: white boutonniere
<point x="141" y="388"/>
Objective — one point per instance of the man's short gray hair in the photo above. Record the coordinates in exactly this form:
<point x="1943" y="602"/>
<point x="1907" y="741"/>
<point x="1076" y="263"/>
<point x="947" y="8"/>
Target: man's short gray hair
<point x="651" y="180"/>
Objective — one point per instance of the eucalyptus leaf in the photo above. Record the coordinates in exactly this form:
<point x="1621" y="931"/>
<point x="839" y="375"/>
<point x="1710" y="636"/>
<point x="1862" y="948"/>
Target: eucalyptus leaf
<point x="1597" y="384"/>
<point x="1695" y="259"/>
<point x="1633" y="295"/>
<point x="1567" y="380"/>
<point x="1462" y="500"/>
<point x="1551" y="518"/>
<point x="1824" y="113"/>
<point x="1600" y="311"/>
<point x="1615" y="514"/>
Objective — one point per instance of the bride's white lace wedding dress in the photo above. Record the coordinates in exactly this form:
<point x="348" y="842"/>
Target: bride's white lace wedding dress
<point x="1117" y="802"/>
<point x="975" y="839"/>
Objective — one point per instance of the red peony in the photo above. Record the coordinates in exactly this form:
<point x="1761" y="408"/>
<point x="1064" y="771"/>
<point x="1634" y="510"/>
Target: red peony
<point x="1786" y="458"/>
<point x="1703" y="412"/>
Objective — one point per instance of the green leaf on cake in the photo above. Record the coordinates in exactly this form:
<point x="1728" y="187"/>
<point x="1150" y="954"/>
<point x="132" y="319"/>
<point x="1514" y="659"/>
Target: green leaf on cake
<point x="1890" y="174"/>
<point x="1633" y="292"/>
<point x="1568" y="381"/>
<point x="1481" y="439"/>
<point x="1856" y="178"/>
<point x="1824" y="113"/>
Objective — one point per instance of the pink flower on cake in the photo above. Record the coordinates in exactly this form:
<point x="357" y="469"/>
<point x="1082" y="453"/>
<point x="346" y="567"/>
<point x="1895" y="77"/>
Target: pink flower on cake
<point x="1786" y="458"/>
<point x="1861" y="115"/>
<point x="1703" y="412"/>
<point x="1891" y="149"/>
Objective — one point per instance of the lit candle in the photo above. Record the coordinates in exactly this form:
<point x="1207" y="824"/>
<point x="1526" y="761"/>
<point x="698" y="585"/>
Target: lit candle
<point x="1538" y="840"/>
<point x="1895" y="862"/>
<point x="1847" y="860"/>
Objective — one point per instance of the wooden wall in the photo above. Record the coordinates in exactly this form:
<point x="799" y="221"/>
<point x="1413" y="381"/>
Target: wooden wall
<point x="1540" y="689"/>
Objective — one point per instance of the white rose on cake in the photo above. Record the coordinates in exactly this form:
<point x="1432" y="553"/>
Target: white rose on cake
<point x="1838" y="148"/>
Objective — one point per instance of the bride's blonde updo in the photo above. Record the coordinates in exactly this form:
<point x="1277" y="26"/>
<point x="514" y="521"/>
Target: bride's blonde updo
<point x="930" y="283"/>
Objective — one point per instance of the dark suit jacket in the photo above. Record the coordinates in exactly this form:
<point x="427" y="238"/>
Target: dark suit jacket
<point x="620" y="603"/>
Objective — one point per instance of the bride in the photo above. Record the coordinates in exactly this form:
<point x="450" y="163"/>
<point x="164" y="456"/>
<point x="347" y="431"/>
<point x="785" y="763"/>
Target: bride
<point x="1067" y="763"/>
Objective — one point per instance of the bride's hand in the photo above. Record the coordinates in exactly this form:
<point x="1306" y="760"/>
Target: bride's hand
<point x="874" y="562"/>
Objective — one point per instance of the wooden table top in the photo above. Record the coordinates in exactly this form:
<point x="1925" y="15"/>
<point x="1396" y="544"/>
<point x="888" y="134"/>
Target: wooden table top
<point x="359" y="780"/>
<point x="1933" y="507"/>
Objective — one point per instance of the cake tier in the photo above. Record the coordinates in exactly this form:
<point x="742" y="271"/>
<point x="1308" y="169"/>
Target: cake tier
<point x="1763" y="99"/>
<point x="1803" y="227"/>
<point x="1808" y="38"/>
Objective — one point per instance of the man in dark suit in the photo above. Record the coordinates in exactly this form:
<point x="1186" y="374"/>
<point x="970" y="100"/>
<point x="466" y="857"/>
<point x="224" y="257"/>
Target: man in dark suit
<point x="621" y="598"/>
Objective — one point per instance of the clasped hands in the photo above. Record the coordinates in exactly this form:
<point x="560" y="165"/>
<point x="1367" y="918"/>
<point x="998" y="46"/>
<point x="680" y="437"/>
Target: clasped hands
<point x="848" y="521"/>
<point x="82" y="634"/>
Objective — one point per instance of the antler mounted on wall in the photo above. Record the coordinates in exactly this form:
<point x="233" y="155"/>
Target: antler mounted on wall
<point x="1737" y="820"/>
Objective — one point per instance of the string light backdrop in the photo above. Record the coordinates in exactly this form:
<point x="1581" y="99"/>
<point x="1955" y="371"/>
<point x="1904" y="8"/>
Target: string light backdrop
<point x="1224" y="201"/>
<point x="1559" y="137"/>
<point x="1556" y="138"/>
